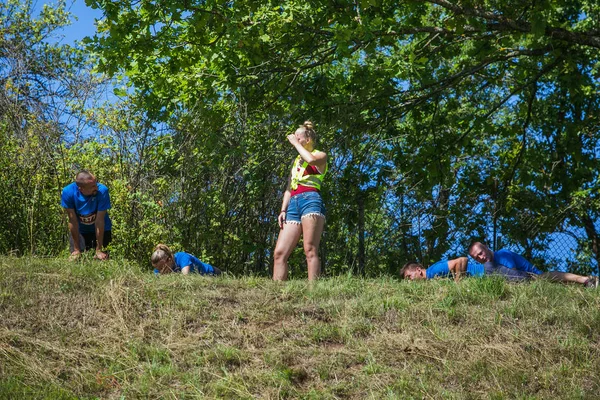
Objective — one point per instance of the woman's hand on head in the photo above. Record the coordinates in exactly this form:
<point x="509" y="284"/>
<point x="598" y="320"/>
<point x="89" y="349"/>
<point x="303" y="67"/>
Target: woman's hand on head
<point x="293" y="139"/>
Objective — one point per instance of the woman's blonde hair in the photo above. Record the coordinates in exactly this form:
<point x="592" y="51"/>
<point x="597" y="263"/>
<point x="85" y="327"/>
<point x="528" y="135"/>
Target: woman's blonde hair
<point x="161" y="252"/>
<point x="309" y="131"/>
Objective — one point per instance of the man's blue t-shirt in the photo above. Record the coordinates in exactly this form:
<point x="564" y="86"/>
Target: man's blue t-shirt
<point x="514" y="261"/>
<point x="86" y="207"/>
<point x="183" y="259"/>
<point x="441" y="269"/>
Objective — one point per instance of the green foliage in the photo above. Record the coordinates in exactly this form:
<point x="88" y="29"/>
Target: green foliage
<point x="439" y="118"/>
<point x="442" y="122"/>
<point x="42" y="86"/>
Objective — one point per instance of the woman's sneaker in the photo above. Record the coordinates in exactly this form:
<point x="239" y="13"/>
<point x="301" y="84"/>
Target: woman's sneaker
<point x="592" y="282"/>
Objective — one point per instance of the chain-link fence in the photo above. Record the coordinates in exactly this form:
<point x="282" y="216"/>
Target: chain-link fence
<point x="562" y="239"/>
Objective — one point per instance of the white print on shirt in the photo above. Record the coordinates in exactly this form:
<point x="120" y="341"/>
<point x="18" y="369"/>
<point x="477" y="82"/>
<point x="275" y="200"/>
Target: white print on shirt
<point x="89" y="219"/>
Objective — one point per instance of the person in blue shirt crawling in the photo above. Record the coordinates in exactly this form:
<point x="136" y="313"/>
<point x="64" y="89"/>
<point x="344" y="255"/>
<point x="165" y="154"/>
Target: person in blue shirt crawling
<point x="86" y="203"/>
<point x="515" y="267"/>
<point x="164" y="261"/>
<point x="457" y="268"/>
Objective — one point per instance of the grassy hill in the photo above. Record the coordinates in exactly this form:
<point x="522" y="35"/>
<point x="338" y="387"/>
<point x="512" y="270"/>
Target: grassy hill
<point x="109" y="330"/>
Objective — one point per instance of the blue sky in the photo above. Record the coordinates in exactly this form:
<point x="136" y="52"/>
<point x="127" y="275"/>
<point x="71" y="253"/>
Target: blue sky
<point x="83" y="21"/>
<point x="83" y="24"/>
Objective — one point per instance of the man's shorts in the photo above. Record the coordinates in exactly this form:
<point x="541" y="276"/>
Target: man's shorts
<point x="510" y="274"/>
<point x="87" y="241"/>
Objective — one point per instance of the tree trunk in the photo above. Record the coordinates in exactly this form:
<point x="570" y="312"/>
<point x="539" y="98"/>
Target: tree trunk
<point x="592" y="234"/>
<point x="361" y="234"/>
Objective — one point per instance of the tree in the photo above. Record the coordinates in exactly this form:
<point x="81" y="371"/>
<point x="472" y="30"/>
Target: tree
<point x="41" y="86"/>
<point x="457" y="102"/>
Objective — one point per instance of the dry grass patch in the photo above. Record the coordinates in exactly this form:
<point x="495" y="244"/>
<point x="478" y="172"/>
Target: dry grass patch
<point x="110" y="330"/>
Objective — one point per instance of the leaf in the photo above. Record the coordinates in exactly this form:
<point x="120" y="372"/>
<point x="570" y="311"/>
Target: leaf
<point x="538" y="24"/>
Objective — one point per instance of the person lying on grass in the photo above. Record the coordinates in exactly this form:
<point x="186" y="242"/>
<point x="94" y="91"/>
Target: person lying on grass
<point x="457" y="268"/>
<point x="460" y="267"/>
<point x="164" y="262"/>
<point x="515" y="267"/>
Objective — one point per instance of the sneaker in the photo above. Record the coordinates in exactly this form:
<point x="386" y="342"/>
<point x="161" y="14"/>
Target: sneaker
<point x="592" y="282"/>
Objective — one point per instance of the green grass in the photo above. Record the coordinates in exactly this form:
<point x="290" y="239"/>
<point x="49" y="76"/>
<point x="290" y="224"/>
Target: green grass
<point x="109" y="330"/>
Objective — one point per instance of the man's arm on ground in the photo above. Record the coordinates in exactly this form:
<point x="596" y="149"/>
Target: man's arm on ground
<point x="74" y="229"/>
<point x="458" y="267"/>
<point x="99" y="225"/>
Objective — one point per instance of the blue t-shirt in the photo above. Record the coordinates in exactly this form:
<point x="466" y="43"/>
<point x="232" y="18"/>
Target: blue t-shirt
<point x="441" y="269"/>
<point x="86" y="207"/>
<point x="512" y="260"/>
<point x="183" y="259"/>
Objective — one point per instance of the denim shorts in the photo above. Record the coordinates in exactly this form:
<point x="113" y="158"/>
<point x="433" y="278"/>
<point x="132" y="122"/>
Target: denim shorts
<point x="302" y="205"/>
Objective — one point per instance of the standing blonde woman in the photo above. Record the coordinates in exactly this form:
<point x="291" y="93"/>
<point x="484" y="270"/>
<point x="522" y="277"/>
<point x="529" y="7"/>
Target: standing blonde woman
<point x="302" y="209"/>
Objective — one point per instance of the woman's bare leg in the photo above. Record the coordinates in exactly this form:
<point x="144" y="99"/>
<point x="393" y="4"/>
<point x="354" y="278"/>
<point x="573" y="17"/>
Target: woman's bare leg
<point x="312" y="228"/>
<point x="286" y="242"/>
